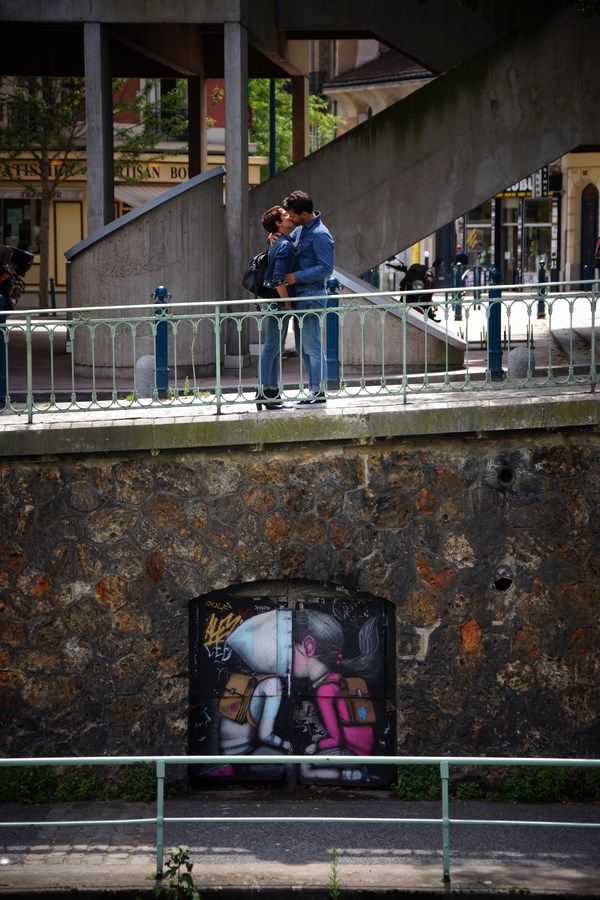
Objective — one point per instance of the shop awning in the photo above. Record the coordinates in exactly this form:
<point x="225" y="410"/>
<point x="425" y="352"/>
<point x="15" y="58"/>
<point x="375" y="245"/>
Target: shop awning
<point x="136" y="194"/>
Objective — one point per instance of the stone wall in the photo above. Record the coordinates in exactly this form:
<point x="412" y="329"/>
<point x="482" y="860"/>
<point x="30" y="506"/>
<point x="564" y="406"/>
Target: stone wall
<point x="486" y="547"/>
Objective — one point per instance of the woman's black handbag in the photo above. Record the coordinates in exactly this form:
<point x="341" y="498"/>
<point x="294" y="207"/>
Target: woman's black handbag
<point x="254" y="276"/>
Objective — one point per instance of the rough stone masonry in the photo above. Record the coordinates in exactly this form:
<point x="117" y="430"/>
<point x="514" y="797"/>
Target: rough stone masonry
<point x="487" y="548"/>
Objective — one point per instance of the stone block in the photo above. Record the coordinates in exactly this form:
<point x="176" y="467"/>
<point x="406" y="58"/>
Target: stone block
<point x="520" y="360"/>
<point x="145" y="376"/>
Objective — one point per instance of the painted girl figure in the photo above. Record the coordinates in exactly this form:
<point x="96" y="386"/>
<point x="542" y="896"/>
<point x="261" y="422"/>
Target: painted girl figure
<point x="318" y="641"/>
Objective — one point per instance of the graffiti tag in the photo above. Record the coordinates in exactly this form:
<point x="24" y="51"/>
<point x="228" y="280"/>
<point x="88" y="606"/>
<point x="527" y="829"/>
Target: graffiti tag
<point x="215" y="605"/>
<point x="218" y="630"/>
<point x="220" y="653"/>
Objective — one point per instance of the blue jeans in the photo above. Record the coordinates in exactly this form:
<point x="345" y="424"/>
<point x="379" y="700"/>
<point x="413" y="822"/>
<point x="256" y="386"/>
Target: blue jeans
<point x="273" y="334"/>
<point x="307" y="329"/>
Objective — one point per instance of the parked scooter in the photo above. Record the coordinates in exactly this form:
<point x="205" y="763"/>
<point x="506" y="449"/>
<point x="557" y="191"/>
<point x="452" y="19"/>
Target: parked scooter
<point x="14" y="264"/>
<point x="418" y="277"/>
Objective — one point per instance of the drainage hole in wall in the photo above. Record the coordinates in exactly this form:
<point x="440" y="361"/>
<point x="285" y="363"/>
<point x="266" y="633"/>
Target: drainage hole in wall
<point x="503" y="580"/>
<point x="506" y="477"/>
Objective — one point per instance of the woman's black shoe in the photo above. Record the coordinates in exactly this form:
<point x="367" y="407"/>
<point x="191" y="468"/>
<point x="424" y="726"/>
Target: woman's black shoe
<point x="269" y="398"/>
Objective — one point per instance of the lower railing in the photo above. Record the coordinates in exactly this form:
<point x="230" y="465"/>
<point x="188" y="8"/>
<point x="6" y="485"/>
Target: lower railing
<point x="443" y="762"/>
<point x="377" y="345"/>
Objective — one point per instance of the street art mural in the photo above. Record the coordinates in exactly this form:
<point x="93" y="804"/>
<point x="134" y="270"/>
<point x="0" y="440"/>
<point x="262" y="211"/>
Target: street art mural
<point x="301" y="673"/>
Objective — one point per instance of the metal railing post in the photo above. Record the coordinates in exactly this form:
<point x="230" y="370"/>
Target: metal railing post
<point x="29" y="352"/>
<point x="160" y="816"/>
<point x="445" y="776"/>
<point x="218" y="358"/>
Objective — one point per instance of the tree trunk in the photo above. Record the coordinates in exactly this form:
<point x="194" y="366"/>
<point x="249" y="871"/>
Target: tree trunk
<point x="44" y="251"/>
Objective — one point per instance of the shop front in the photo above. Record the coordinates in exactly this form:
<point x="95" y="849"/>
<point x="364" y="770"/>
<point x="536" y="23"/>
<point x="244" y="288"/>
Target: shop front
<point x="518" y="229"/>
<point x="20" y="206"/>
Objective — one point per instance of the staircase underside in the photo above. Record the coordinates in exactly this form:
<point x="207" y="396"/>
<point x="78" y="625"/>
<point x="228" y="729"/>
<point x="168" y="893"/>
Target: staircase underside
<point x="451" y="145"/>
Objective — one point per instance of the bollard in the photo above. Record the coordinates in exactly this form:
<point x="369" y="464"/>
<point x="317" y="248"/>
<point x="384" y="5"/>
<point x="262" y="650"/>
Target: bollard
<point x="332" y="334"/>
<point x="457" y="270"/>
<point x="494" y="323"/>
<point x="161" y="340"/>
<point x="53" y="295"/>
<point x="541" y="305"/>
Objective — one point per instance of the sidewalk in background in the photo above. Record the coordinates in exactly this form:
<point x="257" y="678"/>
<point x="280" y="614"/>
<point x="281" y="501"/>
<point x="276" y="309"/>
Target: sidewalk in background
<point x="292" y="856"/>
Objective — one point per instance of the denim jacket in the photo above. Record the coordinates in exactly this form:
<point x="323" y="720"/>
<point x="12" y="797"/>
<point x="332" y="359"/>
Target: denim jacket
<point x="281" y="259"/>
<point x="314" y="249"/>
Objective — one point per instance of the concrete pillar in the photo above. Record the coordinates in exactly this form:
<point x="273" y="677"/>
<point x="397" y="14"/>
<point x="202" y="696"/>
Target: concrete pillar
<point x="196" y="125"/>
<point x="300" y="125"/>
<point x="236" y="182"/>
<point x="99" y="126"/>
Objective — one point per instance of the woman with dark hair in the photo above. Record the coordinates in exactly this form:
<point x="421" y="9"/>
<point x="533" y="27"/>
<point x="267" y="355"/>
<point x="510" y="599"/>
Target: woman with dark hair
<point x="281" y="260"/>
<point x="318" y="641"/>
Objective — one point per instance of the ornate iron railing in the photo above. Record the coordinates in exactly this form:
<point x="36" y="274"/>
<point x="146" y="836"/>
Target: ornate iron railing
<point x="379" y="345"/>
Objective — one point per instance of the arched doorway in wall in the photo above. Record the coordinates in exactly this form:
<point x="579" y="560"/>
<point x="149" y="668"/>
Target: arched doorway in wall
<point x="589" y="230"/>
<point x="293" y="666"/>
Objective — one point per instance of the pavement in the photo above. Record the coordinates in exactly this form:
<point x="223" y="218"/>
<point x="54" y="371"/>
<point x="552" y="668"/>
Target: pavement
<point x="276" y="859"/>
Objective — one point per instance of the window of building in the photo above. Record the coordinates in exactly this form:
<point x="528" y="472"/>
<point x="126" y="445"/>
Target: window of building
<point x="20" y="224"/>
<point x="537" y="236"/>
<point x="478" y="234"/>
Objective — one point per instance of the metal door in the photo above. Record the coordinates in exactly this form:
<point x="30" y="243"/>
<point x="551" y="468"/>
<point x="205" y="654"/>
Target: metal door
<point x="291" y="667"/>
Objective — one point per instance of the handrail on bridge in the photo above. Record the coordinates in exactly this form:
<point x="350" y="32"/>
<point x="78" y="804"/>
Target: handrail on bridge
<point x="379" y="345"/>
<point x="161" y="762"/>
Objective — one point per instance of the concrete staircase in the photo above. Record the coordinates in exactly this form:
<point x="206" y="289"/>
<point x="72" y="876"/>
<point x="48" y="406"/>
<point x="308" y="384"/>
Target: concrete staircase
<point x="454" y="143"/>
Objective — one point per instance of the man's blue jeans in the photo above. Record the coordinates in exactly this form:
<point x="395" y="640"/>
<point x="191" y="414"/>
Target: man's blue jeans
<point x="307" y="328"/>
<point x="272" y="335"/>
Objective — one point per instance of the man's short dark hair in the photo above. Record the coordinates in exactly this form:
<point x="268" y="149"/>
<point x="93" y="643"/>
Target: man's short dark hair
<point x="270" y="219"/>
<point x="299" y="202"/>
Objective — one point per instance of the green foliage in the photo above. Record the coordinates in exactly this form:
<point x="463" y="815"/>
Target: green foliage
<point x="535" y="785"/>
<point x="321" y="122"/>
<point x="470" y="790"/>
<point x="335" y="890"/>
<point x="178" y="869"/>
<point x="56" y="784"/>
<point x="46" y="784"/>
<point x="587" y="786"/>
<point x="140" y="785"/>
<point x="418" y="783"/>
<point x="153" y="122"/>
<point x="45" y="123"/>
<point x="544" y="784"/>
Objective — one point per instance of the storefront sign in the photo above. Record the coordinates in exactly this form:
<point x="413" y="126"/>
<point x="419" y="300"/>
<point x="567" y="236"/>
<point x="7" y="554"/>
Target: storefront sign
<point x="23" y="193"/>
<point x="535" y="185"/>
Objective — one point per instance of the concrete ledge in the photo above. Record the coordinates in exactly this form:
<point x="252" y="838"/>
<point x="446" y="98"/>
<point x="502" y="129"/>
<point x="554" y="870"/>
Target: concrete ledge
<point x="116" y="431"/>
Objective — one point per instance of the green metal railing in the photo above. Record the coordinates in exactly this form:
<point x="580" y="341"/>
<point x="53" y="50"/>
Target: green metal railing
<point x="388" y="347"/>
<point x="443" y="762"/>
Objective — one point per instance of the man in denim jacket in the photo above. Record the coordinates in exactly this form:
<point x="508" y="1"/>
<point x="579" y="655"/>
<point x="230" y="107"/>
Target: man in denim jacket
<point x="314" y="265"/>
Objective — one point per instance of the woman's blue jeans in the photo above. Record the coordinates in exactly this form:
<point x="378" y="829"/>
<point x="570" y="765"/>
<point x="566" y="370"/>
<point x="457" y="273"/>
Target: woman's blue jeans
<point x="272" y="336"/>
<point x="307" y="330"/>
